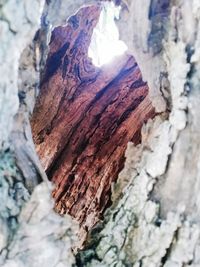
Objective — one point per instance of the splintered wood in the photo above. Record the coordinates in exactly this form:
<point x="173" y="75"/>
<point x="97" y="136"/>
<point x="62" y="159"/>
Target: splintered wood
<point x="84" y="117"/>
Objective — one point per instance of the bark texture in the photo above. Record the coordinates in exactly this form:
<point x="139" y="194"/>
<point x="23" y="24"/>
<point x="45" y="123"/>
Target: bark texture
<point x="21" y="241"/>
<point x="156" y="223"/>
<point x="154" y="220"/>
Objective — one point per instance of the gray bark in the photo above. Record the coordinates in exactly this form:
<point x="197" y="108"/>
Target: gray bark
<point x="31" y="234"/>
<point x="154" y="220"/>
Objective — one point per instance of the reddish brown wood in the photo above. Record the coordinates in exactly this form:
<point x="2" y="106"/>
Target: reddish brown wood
<point x="84" y="117"/>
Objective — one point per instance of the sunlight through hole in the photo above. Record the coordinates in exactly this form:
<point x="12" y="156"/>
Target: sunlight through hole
<point x="105" y="43"/>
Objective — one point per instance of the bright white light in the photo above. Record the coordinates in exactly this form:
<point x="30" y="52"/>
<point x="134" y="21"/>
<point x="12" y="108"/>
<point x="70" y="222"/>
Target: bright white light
<point x="105" y="43"/>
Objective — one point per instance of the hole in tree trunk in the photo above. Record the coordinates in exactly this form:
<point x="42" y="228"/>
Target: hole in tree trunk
<point x="85" y="116"/>
<point x="105" y="44"/>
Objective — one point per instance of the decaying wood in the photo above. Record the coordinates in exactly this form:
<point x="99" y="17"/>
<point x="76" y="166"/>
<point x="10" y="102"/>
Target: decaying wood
<point x="155" y="221"/>
<point x="84" y="118"/>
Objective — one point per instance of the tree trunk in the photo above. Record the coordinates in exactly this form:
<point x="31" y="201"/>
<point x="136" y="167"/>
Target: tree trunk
<point x="84" y="117"/>
<point x="154" y="217"/>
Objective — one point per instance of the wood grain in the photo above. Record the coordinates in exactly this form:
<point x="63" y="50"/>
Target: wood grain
<point x="84" y="117"/>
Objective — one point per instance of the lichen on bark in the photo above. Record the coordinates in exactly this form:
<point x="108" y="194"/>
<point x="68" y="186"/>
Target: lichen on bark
<point x="158" y="213"/>
<point x="155" y="219"/>
<point x="20" y="170"/>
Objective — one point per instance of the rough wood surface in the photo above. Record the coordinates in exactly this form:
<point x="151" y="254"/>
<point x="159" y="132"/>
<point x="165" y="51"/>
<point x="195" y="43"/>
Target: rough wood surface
<point x="84" y="118"/>
<point x="156" y="221"/>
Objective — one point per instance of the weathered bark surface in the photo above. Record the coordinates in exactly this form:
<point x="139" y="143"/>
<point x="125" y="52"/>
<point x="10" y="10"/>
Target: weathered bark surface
<point x="156" y="222"/>
<point x="23" y="215"/>
<point x="155" y="219"/>
<point x="84" y="117"/>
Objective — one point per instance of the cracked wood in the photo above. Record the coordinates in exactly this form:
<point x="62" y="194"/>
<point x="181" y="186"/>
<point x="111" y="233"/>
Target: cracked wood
<point x="84" y="117"/>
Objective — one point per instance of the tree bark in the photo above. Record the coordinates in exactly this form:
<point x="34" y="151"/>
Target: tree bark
<point x="154" y="219"/>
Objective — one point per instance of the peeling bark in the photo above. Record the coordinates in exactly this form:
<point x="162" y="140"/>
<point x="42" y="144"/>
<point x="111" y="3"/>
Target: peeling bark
<point x="156" y="223"/>
<point x="20" y="169"/>
<point x="154" y="220"/>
